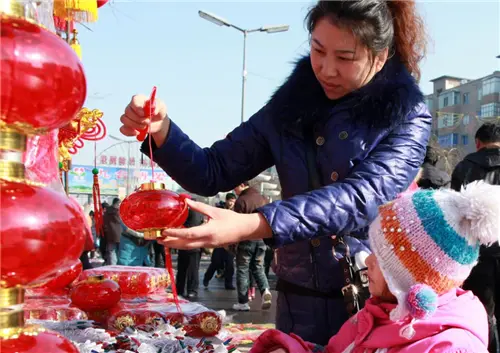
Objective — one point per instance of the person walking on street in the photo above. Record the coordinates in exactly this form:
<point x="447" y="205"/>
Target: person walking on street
<point x="222" y="260"/>
<point x="484" y="280"/>
<point x="250" y="254"/>
<point x="112" y="232"/>
<point x="188" y="262"/>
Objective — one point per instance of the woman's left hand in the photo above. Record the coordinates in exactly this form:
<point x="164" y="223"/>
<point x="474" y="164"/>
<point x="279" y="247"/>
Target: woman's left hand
<point x="224" y="227"/>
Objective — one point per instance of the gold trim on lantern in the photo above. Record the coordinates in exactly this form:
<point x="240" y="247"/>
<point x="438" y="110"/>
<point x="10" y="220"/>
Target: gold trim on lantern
<point x="12" y="140"/>
<point x="18" y="9"/>
<point x="152" y="186"/>
<point x="23" y="128"/>
<point x="10" y="169"/>
<point x="15" y="332"/>
<point x="209" y="325"/>
<point x="151" y="234"/>
<point x="11" y="318"/>
<point x="96" y="278"/>
<point x="11" y="296"/>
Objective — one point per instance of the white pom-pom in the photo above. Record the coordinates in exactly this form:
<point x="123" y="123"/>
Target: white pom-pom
<point x="479" y="206"/>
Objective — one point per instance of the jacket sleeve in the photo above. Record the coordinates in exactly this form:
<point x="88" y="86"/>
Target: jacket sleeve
<point x="457" y="177"/>
<point x="272" y="340"/>
<point x="353" y="203"/>
<point x="241" y="156"/>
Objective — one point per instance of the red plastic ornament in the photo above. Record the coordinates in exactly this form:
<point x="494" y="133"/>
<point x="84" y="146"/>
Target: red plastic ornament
<point x="95" y="294"/>
<point x="40" y="68"/>
<point x="64" y="277"/>
<point x="36" y="340"/>
<point x="101" y="3"/>
<point x="152" y="209"/>
<point x="42" y="231"/>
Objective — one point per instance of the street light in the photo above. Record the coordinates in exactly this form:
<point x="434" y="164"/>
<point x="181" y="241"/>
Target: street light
<point x="219" y="21"/>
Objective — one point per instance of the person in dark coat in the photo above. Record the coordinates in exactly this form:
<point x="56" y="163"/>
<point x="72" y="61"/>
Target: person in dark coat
<point x="222" y="260"/>
<point x="352" y="111"/>
<point x="431" y="176"/>
<point x="188" y="262"/>
<point x="112" y="232"/>
<point x="250" y="254"/>
<point x="484" y="280"/>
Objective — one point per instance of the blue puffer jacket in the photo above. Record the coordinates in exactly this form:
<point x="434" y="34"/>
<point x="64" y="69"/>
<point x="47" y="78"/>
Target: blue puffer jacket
<point x="369" y="144"/>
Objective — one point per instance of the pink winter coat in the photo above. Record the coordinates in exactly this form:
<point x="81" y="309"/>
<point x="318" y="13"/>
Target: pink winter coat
<point x="459" y="325"/>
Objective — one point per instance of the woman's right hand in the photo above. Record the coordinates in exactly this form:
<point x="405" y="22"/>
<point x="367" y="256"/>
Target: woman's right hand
<point x="134" y="119"/>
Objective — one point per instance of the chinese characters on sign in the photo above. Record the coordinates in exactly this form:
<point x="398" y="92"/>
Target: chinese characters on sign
<point x="105" y="160"/>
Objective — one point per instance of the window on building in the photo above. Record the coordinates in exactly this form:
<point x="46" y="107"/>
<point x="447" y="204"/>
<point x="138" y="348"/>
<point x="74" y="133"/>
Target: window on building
<point x="465" y="140"/>
<point x="448" y="140"/>
<point x="490" y="110"/>
<point x="448" y="120"/>
<point x="448" y="98"/>
<point x="465" y="98"/>
<point x="466" y="120"/>
<point x="456" y="98"/>
<point x="479" y="93"/>
<point x="445" y="102"/>
<point x="491" y="85"/>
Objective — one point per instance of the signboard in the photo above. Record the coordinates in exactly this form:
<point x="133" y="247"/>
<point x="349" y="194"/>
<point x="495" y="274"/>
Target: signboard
<point x="112" y="179"/>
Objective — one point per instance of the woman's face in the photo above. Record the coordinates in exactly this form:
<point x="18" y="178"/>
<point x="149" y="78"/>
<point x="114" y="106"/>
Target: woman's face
<point x="377" y="284"/>
<point x="341" y="64"/>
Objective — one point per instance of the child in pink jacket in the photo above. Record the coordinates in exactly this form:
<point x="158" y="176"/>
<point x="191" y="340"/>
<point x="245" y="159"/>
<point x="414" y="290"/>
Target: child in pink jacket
<point x="424" y="246"/>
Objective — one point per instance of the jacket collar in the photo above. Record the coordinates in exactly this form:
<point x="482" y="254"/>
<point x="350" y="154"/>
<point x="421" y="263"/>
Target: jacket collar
<point x="386" y="101"/>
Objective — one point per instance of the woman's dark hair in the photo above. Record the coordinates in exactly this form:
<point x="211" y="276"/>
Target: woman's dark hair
<point x="378" y="24"/>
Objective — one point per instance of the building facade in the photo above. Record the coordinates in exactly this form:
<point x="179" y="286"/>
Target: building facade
<point x="459" y="106"/>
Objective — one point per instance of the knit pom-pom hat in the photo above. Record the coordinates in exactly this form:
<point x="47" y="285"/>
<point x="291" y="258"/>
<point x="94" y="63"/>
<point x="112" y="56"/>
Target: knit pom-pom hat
<point x="427" y="243"/>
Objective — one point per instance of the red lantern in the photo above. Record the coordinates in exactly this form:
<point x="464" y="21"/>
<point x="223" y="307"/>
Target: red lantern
<point x="64" y="277"/>
<point x="101" y="3"/>
<point x="42" y="231"/>
<point x="40" y="68"/>
<point x="96" y="294"/>
<point x="152" y="209"/>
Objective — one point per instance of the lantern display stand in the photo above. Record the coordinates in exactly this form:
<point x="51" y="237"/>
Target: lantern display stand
<point x="46" y="301"/>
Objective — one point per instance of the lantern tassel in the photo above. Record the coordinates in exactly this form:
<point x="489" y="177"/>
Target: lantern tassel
<point x="75" y="44"/>
<point x="98" y="211"/>
<point x="170" y="269"/>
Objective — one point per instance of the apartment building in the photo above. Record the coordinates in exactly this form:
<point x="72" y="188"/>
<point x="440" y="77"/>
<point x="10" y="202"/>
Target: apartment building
<point x="459" y="106"/>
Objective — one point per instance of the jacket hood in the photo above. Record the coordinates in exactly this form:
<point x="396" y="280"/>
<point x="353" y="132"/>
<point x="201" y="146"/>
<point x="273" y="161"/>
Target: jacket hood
<point x="434" y="175"/>
<point x="386" y="101"/>
<point x="485" y="158"/>
<point x="457" y="309"/>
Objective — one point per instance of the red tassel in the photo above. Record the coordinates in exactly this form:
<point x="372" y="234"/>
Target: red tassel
<point x="98" y="211"/>
<point x="170" y="269"/>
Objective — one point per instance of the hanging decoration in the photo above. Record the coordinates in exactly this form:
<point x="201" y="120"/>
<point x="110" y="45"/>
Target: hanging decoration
<point x="101" y="3"/>
<point x="76" y="10"/>
<point x="75" y="44"/>
<point x="87" y="125"/>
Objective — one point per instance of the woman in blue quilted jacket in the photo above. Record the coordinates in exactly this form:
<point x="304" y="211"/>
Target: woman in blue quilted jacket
<point x="347" y="132"/>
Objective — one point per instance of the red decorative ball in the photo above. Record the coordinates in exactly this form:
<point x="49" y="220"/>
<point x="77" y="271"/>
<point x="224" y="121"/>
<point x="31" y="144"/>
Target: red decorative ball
<point x="34" y="340"/>
<point x="43" y="82"/>
<point x="153" y="208"/>
<point x="95" y="294"/>
<point x="64" y="277"/>
<point x="101" y="3"/>
<point x="42" y="231"/>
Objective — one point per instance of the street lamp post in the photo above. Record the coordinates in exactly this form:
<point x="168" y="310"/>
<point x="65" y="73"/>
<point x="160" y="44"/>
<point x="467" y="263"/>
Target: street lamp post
<point x="219" y="21"/>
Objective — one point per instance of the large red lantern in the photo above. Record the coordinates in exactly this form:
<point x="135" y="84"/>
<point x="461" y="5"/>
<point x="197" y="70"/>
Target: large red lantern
<point x="41" y="231"/>
<point x="152" y="209"/>
<point x="43" y="83"/>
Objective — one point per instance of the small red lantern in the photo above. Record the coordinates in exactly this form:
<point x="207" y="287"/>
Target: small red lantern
<point x="101" y="3"/>
<point x="42" y="230"/>
<point x="39" y="67"/>
<point x="96" y="294"/>
<point x="152" y="209"/>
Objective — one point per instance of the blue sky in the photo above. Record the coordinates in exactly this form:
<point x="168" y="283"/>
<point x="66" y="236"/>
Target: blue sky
<point x="197" y="65"/>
